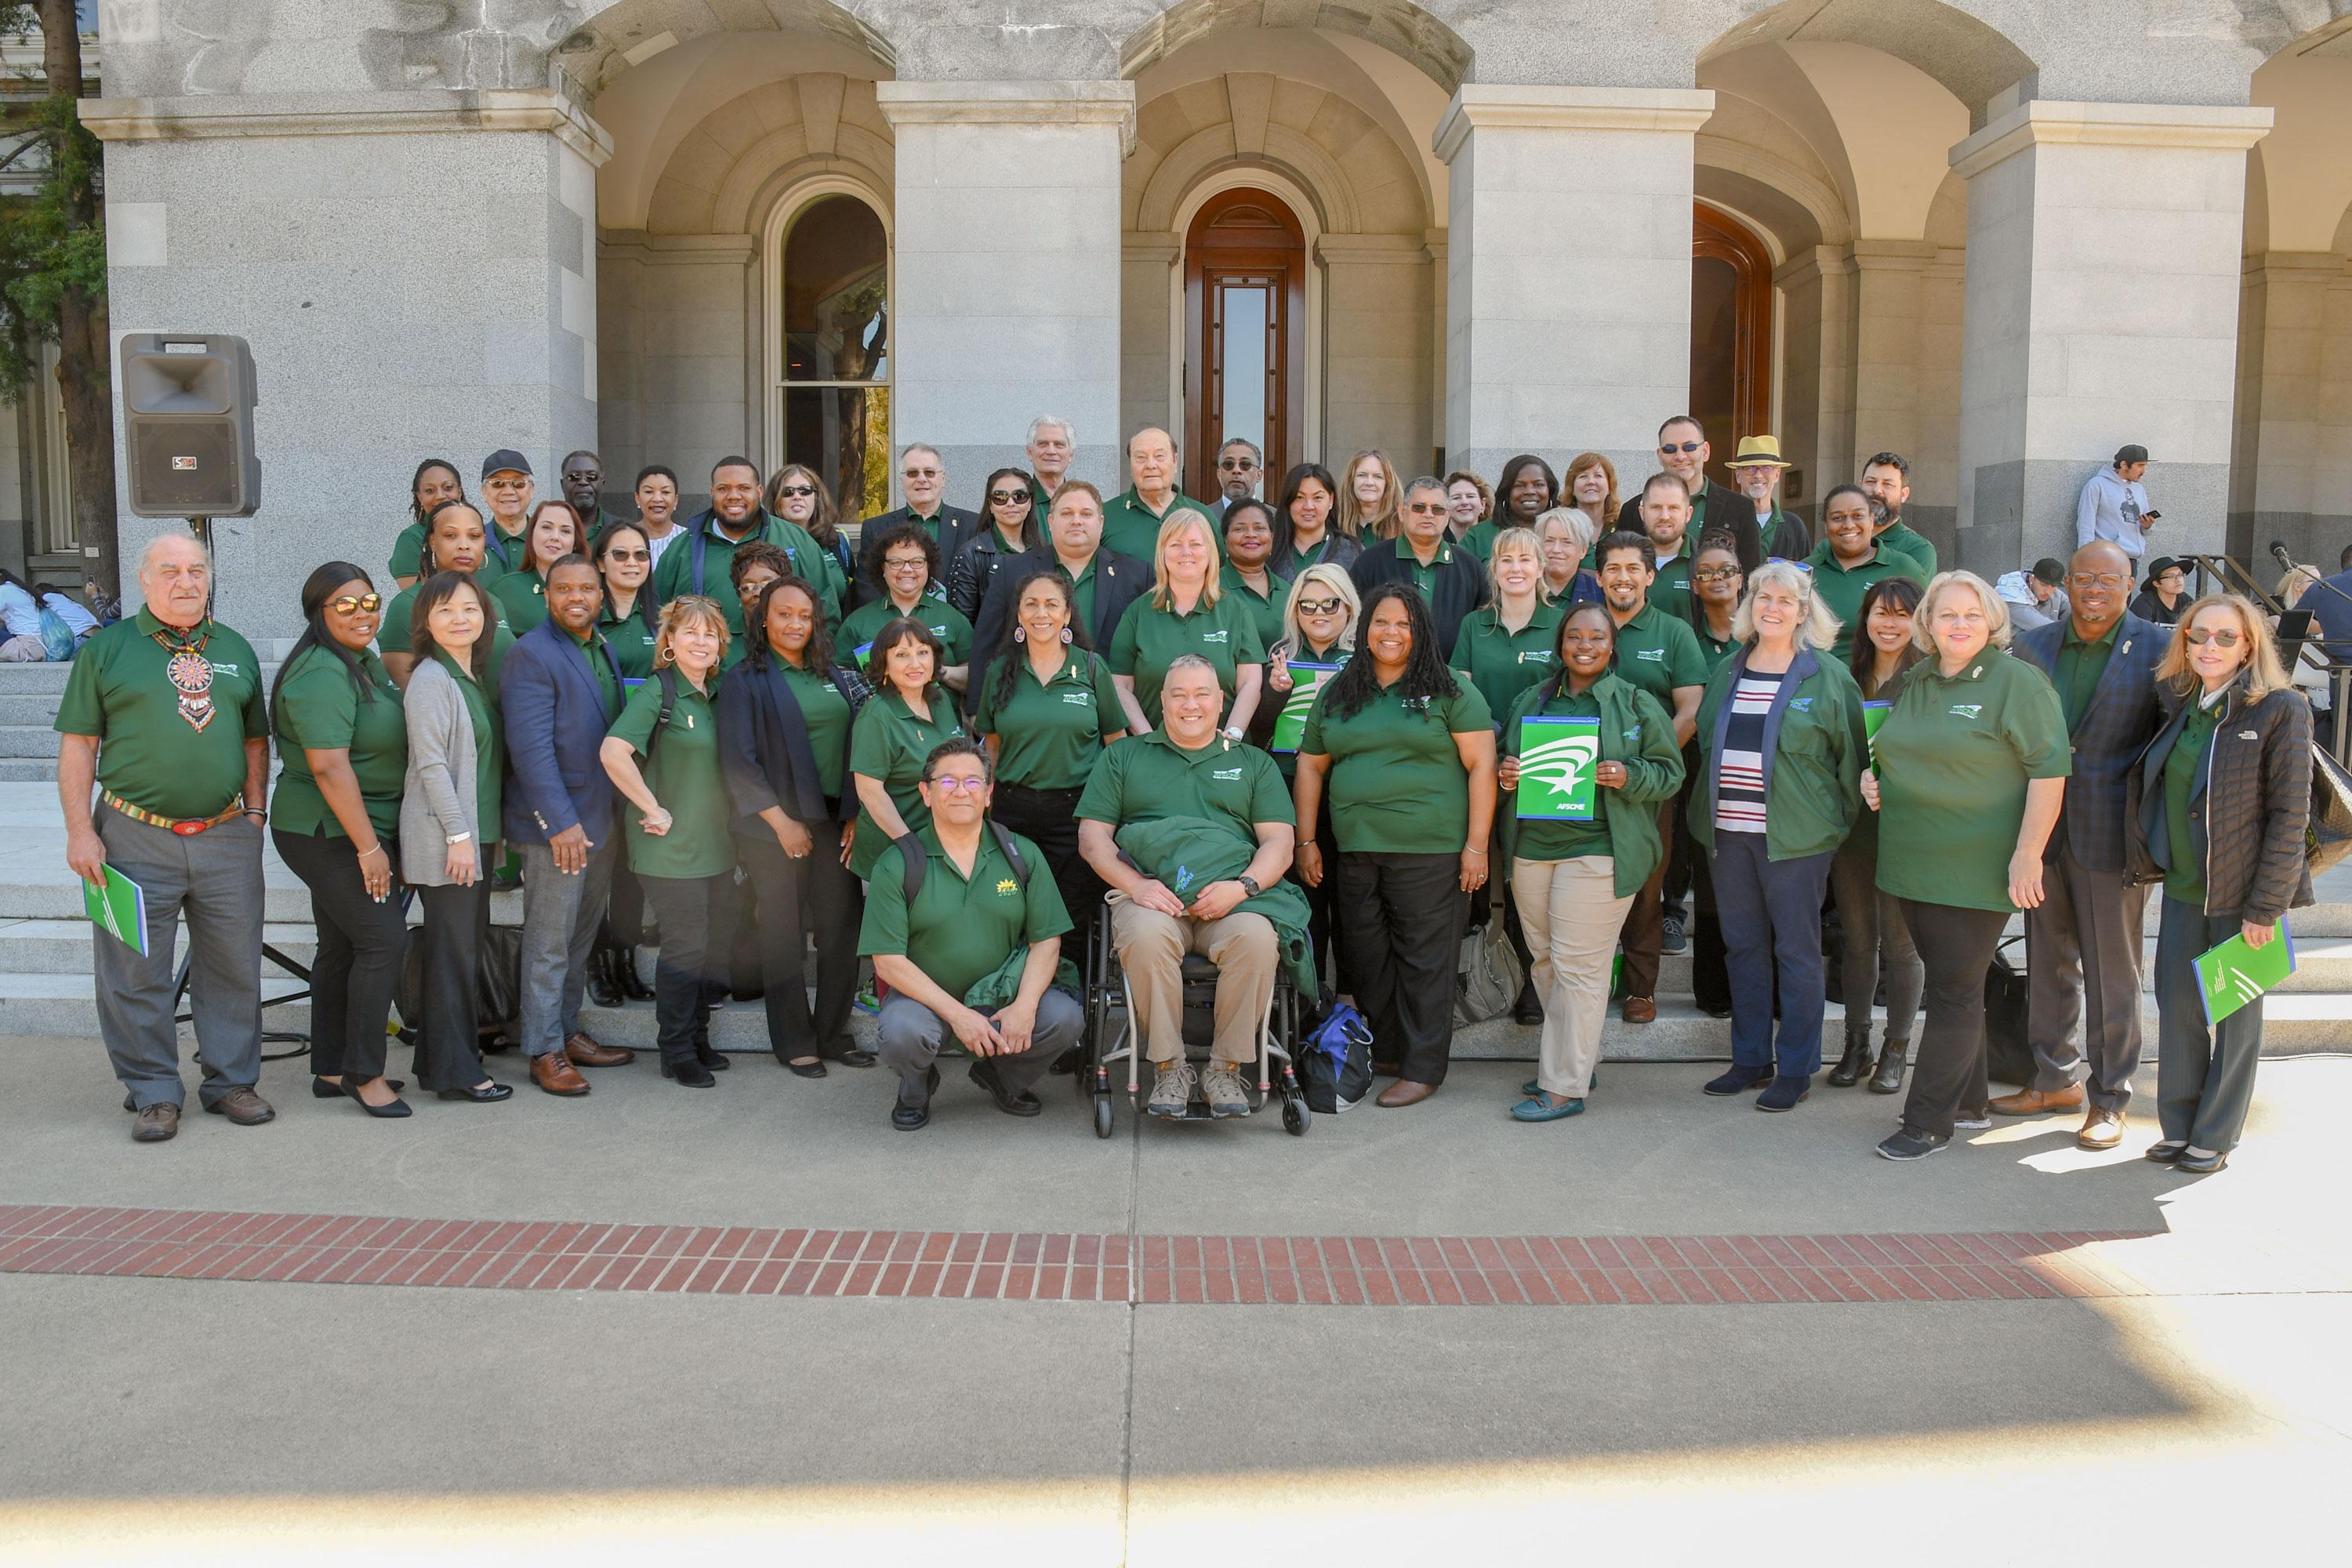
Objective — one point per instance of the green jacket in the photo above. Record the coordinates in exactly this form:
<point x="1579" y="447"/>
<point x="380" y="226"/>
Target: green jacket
<point x="1001" y="984"/>
<point x="1814" y="752"/>
<point x="1185" y="854"/>
<point x="1634" y="731"/>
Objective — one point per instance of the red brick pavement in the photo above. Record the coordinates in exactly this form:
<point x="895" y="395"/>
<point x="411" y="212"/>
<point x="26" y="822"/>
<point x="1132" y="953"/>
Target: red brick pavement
<point x="1029" y="1265"/>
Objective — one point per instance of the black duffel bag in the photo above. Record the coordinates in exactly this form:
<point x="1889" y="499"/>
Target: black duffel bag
<point x="2008" y="1058"/>
<point x="498" y="984"/>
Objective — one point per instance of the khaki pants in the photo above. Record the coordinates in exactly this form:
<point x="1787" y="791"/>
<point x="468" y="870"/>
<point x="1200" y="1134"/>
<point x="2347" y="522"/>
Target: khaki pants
<point x="1151" y="949"/>
<point x="1572" y="915"/>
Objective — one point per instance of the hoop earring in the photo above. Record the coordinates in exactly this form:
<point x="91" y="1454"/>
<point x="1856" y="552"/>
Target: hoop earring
<point x="1019" y="634"/>
<point x="1065" y="633"/>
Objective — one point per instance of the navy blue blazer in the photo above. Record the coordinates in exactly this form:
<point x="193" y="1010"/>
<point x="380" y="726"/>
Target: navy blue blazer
<point x="2109" y="735"/>
<point x="555" y="721"/>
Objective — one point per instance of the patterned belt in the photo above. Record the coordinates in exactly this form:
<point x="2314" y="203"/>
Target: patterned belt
<point x="185" y="827"/>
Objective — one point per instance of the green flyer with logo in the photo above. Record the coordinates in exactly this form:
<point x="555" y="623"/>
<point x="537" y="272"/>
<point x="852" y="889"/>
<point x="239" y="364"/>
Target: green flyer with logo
<point x="1307" y="682"/>
<point x="2237" y="973"/>
<point x="1873" y="717"/>
<point x="1556" y="759"/>
<point x="119" y="909"/>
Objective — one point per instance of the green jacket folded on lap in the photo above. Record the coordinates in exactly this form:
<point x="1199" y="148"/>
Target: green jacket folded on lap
<point x="1185" y="854"/>
<point x="1636" y="731"/>
<point x="1813" y="775"/>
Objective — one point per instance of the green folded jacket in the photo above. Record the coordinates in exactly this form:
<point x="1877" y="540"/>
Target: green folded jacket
<point x="1185" y="854"/>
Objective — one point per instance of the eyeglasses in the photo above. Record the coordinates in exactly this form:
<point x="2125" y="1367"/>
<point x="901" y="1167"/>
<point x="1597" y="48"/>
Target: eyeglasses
<point x="922" y="473"/>
<point x="956" y="784"/>
<point x="1235" y="465"/>
<point x="1427" y="509"/>
<point x="1329" y="606"/>
<point x="1668" y="448"/>
<point x="1007" y="498"/>
<point x="2112" y="580"/>
<point x="796" y="489"/>
<point x="370" y="602"/>
<point x="902" y="563"/>
<point x="2198" y="638"/>
<point x="1715" y="574"/>
<point x="628" y="555"/>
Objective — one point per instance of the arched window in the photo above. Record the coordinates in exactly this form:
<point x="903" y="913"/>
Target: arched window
<point x="836" y="363"/>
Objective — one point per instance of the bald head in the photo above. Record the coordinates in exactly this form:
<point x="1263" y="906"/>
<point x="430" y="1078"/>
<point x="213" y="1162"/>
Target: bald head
<point x="2098" y="585"/>
<point x="1151" y="460"/>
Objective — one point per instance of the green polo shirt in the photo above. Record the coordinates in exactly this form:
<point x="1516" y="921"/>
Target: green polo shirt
<point x="1049" y="733"/>
<point x="1132" y="528"/>
<point x="825" y="710"/>
<point x="1502" y="664"/>
<point x="522" y="599"/>
<point x="119" y="690"/>
<point x="319" y="710"/>
<point x="1840" y="587"/>
<point x="1145" y="778"/>
<point x="489" y="745"/>
<point x="600" y="669"/>
<point x="862" y="624"/>
<point x="2079" y="664"/>
<point x="630" y="638"/>
<point x="682" y="769"/>
<point x="1396" y="785"/>
<point x="1266" y="609"/>
<point x="1659" y="652"/>
<point x="1224" y="633"/>
<point x="495" y="539"/>
<point x="674" y="576"/>
<point x="889" y="743"/>
<point x="962" y="928"/>
<point x="1082" y="590"/>
<point x="1903" y="540"/>
<point x="1671" y="589"/>
<point x="905" y="517"/>
<point x="1478" y="539"/>
<point x="408" y="551"/>
<point x="391" y="633"/>
<point x="2184" y="766"/>
<point x="1713" y="649"/>
<point x="1954" y="756"/>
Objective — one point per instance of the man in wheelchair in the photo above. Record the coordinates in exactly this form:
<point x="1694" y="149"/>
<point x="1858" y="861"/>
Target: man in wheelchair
<point x="1158" y="803"/>
<point x="970" y="941"/>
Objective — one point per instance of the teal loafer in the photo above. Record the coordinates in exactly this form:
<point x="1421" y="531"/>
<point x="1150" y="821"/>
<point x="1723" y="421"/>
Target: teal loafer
<point x="1535" y="1108"/>
<point x="1534" y="1087"/>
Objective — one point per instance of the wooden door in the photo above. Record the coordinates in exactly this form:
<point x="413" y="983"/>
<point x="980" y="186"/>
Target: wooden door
<point x="1245" y="334"/>
<point x="1731" y="334"/>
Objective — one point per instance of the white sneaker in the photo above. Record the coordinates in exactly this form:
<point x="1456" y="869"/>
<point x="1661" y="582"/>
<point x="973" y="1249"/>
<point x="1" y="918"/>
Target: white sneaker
<point x="1171" y="1096"/>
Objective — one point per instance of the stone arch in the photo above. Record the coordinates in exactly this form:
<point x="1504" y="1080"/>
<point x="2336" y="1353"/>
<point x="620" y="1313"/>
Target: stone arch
<point x="1358" y="178"/>
<point x="1404" y="30"/>
<point x="711" y="180"/>
<point x="1973" y="59"/>
<point x="616" y="34"/>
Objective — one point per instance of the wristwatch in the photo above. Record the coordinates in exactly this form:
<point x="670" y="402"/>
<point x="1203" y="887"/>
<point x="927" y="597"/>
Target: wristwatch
<point x="1249" y="884"/>
<point x="1234" y="732"/>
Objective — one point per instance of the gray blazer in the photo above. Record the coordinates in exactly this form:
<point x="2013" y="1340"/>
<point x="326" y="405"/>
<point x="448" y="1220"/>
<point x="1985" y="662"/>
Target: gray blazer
<point x="440" y="797"/>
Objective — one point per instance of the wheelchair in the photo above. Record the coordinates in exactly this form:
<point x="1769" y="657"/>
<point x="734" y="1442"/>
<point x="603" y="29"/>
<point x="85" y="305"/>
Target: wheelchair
<point x="1108" y="1044"/>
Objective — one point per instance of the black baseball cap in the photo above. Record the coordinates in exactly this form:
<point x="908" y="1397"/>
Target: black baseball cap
<point x="504" y="460"/>
<point x="2051" y="571"/>
<point x="2133" y="454"/>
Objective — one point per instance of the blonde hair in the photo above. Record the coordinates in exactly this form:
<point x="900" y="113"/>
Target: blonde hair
<point x="1515" y="539"/>
<point x="1385" y="523"/>
<point x="1178" y="519"/>
<point x="2262" y="672"/>
<point x="690" y="610"/>
<point x="1996" y="613"/>
<point x="2293" y="584"/>
<point x="1816" y="627"/>
<point x="1322" y="574"/>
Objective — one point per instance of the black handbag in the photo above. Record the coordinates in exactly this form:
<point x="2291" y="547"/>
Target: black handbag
<point x="2008" y="1056"/>
<point x="2328" y="836"/>
<point x="498" y="983"/>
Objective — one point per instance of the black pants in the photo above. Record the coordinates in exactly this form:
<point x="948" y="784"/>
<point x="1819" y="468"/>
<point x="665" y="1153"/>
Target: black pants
<point x="1400" y="919"/>
<point x="1710" y="963"/>
<point x="1644" y="931"/>
<point x="1331" y="973"/>
<point x="353" y="978"/>
<point x="1683" y="853"/>
<point x="1049" y="818"/>
<point x="688" y="974"/>
<point x="797" y="899"/>
<point x="448" y="1047"/>
<point x="1949" y="1074"/>
<point x="625" y="911"/>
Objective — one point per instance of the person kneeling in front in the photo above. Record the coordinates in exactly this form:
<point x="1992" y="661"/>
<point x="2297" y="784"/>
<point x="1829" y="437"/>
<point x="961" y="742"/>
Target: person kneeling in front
<point x="973" y="950"/>
<point x="1182" y="797"/>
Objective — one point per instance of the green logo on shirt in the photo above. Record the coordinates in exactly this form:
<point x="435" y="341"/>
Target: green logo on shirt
<point x="1651" y="654"/>
<point x="1217" y="637"/>
<point x="1965" y="710"/>
<point x="1078" y="698"/>
<point x="1535" y="656"/>
<point x="1230" y="776"/>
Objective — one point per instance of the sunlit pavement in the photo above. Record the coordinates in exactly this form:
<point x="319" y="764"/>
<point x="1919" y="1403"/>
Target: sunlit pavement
<point x="2180" y="1389"/>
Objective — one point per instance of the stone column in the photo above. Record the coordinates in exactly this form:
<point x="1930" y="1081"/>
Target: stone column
<point x="2103" y="266"/>
<point x="1007" y="246"/>
<point x="1568" y="280"/>
<point x="2282" y="428"/>
<point x="1907" y="355"/>
<point x="415" y="270"/>
<point x="1817" y="392"/>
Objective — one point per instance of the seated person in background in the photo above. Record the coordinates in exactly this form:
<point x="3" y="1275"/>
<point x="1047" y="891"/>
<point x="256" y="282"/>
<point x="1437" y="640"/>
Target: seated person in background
<point x="1200" y="792"/>
<point x="2035" y="597"/>
<point x="20" y="623"/>
<point x="975" y="951"/>
<point x="78" y="620"/>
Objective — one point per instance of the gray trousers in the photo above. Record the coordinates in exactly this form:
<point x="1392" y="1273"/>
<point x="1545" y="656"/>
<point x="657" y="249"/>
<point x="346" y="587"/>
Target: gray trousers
<point x="2204" y="1072"/>
<point x="2082" y="966"/>
<point x="215" y="879"/>
<point x="911" y="1035"/>
<point x="560" y="916"/>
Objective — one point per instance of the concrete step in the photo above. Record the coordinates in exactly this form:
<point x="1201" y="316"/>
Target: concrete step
<point x="33" y="679"/>
<point x="28" y="770"/>
<point x="28" y="740"/>
<point x="63" y="947"/>
<point x="285" y="900"/>
<point x="39" y="710"/>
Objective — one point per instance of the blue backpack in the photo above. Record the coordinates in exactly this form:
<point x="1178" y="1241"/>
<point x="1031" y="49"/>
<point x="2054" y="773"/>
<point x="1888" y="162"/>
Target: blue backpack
<point x="56" y="638"/>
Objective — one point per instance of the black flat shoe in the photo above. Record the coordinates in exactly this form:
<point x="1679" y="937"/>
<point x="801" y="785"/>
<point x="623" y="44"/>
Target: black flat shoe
<point x="1066" y="1064"/>
<point x="710" y="1056"/>
<point x="488" y="1094"/>
<point x="2201" y="1165"/>
<point x="803" y="1070"/>
<point x="1852" y="1065"/>
<point x="855" y="1057"/>
<point x="688" y="1074"/>
<point x="1526" y="1008"/>
<point x="2166" y="1153"/>
<point x="321" y="1089"/>
<point x="1887" y="1078"/>
<point x="1010" y="1102"/>
<point x="1737" y="1080"/>
<point x="397" y="1109"/>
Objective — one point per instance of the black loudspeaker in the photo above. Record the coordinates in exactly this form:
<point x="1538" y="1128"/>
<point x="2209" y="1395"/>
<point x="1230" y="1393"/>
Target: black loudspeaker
<point x="187" y="416"/>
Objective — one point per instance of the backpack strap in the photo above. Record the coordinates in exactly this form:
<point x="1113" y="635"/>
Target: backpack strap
<point x="666" y="678"/>
<point x="1011" y="848"/>
<point x="913" y="863"/>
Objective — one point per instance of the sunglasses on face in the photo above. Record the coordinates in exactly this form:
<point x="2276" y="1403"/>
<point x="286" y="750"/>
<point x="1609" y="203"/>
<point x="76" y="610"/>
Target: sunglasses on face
<point x="1668" y="448"/>
<point x="796" y="489"/>
<point x="628" y="555"/>
<point x="1235" y="465"/>
<point x="1427" y="509"/>
<point x="369" y="602"/>
<point x="1716" y="574"/>
<point x="922" y="473"/>
<point x="1008" y="498"/>
<point x="1318" y="607"/>
<point x="2199" y="638"/>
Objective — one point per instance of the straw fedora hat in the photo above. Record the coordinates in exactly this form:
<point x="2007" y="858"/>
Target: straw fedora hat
<point x="1759" y="451"/>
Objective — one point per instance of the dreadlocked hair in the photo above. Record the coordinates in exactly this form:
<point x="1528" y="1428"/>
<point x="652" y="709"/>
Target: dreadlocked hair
<point x="1426" y="677"/>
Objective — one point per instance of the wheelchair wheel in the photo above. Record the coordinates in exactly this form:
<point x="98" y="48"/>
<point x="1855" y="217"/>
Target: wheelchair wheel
<point x="1102" y="1115"/>
<point x="1295" y="1116"/>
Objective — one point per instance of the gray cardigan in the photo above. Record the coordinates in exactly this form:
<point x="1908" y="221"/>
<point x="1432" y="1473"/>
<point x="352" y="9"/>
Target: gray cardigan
<point x="440" y="797"/>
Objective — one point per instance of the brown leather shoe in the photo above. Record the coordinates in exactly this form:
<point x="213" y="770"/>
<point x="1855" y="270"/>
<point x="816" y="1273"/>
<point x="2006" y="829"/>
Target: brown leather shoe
<point x="2034" y="1101"/>
<point x="1404" y="1091"/>
<point x="2102" y="1129"/>
<point x="157" y="1122"/>
<point x="585" y="1052"/>
<point x="557" y="1075"/>
<point x="244" y="1107"/>
<point x="1639" y="1010"/>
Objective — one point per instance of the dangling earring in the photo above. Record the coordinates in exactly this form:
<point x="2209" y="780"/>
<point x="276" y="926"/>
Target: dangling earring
<point x="1019" y="634"/>
<point x="1065" y="633"/>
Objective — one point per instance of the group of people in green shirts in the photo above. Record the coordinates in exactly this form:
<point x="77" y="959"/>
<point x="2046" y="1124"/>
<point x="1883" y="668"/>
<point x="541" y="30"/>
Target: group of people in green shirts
<point x="1420" y="726"/>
